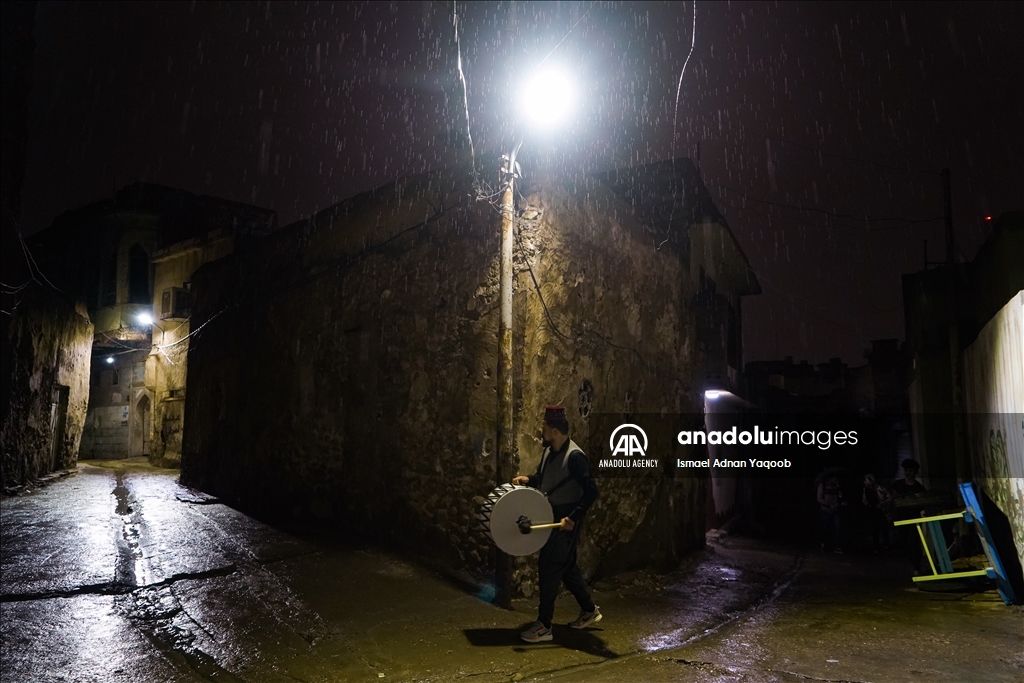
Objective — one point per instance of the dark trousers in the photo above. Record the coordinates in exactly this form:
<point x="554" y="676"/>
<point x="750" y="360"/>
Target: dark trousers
<point x="829" y="526"/>
<point x="878" y="527"/>
<point x="912" y="546"/>
<point x="557" y="565"/>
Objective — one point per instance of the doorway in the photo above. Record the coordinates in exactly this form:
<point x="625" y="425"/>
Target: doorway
<point x="142" y="427"/>
<point x="58" y="420"/>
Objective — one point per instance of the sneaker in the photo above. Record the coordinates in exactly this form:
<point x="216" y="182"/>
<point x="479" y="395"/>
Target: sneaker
<point x="538" y="633"/>
<point x="586" y="619"/>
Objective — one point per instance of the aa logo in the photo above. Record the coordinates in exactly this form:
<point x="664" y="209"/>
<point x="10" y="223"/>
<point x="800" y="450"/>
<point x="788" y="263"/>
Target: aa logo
<point x="629" y="442"/>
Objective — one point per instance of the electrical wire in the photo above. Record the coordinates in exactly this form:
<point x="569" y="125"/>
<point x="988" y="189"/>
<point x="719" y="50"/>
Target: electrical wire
<point x="679" y="88"/>
<point x="30" y="260"/>
<point x="675" y="135"/>
<point x="465" y="89"/>
<point x="161" y="347"/>
<point x="566" y="35"/>
<point x="9" y="289"/>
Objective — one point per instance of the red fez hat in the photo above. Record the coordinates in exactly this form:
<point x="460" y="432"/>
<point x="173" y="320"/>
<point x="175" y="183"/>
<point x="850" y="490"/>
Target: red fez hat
<point x="554" y="414"/>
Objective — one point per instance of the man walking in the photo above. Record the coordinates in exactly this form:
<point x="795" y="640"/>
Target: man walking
<point x="563" y="475"/>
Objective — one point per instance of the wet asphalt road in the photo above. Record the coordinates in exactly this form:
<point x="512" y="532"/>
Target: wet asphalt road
<point x="119" y="574"/>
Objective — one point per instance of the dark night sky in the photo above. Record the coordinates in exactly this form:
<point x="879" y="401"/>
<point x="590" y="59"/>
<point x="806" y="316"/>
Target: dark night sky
<point x="802" y="110"/>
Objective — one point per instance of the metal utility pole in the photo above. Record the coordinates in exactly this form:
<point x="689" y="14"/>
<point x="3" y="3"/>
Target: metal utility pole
<point x="507" y="467"/>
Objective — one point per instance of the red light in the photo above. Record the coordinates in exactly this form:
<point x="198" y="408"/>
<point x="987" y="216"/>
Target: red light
<point x="988" y="218"/>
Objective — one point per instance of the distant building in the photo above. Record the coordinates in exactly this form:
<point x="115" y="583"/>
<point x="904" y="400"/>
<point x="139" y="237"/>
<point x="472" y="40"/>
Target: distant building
<point x="346" y="370"/>
<point x="130" y="258"/>
<point x="877" y="387"/>
<point x="873" y="394"/>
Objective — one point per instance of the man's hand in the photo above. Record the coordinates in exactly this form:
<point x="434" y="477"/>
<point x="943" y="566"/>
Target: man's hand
<point x="520" y="480"/>
<point x="567" y="524"/>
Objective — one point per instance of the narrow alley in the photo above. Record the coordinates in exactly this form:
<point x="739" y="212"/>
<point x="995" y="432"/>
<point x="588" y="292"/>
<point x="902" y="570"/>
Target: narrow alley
<point x="119" y="574"/>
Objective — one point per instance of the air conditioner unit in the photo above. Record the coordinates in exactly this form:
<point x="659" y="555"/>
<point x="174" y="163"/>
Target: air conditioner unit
<point x="175" y="302"/>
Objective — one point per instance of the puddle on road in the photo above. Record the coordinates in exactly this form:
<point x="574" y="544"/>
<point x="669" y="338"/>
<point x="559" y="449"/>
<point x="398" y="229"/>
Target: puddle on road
<point x="129" y="570"/>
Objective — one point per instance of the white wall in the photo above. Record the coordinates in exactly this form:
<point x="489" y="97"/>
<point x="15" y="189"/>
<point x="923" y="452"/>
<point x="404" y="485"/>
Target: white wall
<point x="994" y="401"/>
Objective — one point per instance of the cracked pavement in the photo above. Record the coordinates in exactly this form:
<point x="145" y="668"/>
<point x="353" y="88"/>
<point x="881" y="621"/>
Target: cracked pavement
<point x="119" y="574"/>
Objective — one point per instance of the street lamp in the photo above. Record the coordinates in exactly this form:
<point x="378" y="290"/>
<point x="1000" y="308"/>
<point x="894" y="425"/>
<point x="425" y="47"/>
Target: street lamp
<point x="545" y="101"/>
<point x="547" y="97"/>
<point x="146" y="320"/>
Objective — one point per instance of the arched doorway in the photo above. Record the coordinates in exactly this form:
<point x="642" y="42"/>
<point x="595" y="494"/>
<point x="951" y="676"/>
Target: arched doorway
<point x="142" y="426"/>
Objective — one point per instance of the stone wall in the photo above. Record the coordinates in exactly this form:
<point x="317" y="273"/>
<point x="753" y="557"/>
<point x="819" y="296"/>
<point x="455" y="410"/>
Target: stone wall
<point x="46" y="356"/>
<point x="343" y="371"/>
<point x="621" y="340"/>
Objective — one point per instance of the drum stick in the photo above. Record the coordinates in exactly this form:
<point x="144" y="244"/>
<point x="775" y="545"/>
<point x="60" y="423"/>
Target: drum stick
<point x="545" y="526"/>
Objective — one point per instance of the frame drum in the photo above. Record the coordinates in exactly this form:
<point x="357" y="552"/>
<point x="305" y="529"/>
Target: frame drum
<point x="500" y="513"/>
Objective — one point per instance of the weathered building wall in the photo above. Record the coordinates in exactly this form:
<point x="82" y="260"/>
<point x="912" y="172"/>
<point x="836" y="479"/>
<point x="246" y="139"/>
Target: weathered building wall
<point x="346" y="368"/>
<point x="994" y="401"/>
<point x="167" y="366"/>
<point x="346" y="371"/>
<point x="624" y="341"/>
<point x="46" y="343"/>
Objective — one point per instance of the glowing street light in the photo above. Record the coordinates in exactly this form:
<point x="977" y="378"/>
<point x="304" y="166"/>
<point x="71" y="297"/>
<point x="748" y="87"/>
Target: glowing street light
<point x="146" y="319"/>
<point x="547" y="97"/>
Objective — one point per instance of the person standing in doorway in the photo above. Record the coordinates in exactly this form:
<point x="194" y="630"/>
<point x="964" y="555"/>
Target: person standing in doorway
<point x="563" y="475"/>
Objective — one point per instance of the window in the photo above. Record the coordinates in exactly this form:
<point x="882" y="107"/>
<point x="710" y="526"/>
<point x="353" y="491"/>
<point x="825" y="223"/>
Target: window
<point x="138" y="276"/>
<point x="108" y="284"/>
